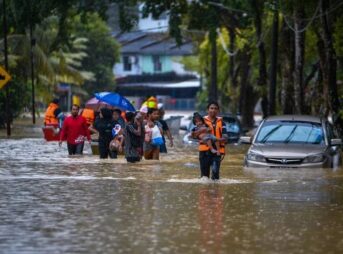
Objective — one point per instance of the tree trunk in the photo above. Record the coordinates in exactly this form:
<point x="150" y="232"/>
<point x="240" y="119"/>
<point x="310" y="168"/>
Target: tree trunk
<point x="324" y="107"/>
<point x="317" y="94"/>
<point x="299" y="60"/>
<point x="232" y="46"/>
<point x="273" y="62"/>
<point x="213" y="93"/>
<point x="330" y="66"/>
<point x="262" y="79"/>
<point x="287" y="69"/>
<point x="247" y="100"/>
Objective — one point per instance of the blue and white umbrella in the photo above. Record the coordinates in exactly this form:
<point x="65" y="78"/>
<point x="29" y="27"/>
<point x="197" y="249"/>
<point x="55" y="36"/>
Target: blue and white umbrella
<point x="115" y="100"/>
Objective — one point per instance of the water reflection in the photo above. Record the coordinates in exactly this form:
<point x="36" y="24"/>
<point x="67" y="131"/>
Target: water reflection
<point x="210" y="216"/>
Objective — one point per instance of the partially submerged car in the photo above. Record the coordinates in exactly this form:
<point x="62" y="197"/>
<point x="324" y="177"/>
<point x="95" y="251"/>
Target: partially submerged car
<point x="294" y="141"/>
<point x="233" y="127"/>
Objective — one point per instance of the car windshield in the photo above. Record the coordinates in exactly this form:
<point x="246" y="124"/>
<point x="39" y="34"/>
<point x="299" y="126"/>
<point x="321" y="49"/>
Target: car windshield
<point x="290" y="132"/>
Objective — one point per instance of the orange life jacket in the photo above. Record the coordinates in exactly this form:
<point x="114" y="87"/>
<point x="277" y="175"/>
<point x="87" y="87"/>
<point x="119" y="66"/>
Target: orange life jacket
<point x="89" y="115"/>
<point x="49" y="114"/>
<point x="216" y="130"/>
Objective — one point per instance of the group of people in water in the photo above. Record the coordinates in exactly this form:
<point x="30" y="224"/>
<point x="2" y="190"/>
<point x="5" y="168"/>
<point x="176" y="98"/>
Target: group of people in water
<point x="139" y="134"/>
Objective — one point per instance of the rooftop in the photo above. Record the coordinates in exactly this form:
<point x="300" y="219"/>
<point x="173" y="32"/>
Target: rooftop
<point x="152" y="44"/>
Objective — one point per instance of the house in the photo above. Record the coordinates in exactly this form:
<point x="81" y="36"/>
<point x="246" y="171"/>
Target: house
<point x="150" y="65"/>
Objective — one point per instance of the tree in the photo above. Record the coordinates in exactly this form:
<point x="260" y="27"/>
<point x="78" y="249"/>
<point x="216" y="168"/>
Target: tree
<point x="102" y="51"/>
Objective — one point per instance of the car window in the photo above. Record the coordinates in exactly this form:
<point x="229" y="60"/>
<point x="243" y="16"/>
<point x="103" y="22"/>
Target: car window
<point x="232" y="124"/>
<point x="290" y="132"/>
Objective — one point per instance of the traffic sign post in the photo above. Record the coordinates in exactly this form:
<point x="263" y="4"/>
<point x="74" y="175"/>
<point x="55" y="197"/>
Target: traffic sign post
<point x="4" y="77"/>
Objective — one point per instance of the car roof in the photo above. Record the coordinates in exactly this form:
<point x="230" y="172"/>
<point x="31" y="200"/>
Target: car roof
<point x="303" y="118"/>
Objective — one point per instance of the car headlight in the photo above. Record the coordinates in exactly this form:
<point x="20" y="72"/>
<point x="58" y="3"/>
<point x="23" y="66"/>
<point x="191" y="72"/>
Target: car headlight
<point x="255" y="157"/>
<point x="314" y="158"/>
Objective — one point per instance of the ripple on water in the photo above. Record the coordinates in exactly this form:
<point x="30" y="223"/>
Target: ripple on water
<point x="61" y="177"/>
<point x="205" y="180"/>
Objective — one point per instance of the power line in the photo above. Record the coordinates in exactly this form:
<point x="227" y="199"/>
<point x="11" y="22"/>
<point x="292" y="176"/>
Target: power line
<point x="226" y="7"/>
<point x="222" y="42"/>
<point x="333" y="8"/>
<point x="296" y="30"/>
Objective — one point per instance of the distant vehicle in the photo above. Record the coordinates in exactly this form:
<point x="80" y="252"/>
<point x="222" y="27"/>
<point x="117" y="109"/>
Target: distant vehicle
<point x="294" y="141"/>
<point x="233" y="127"/>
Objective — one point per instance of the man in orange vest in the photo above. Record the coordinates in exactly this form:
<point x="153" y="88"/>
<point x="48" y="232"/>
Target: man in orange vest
<point x="209" y="160"/>
<point x="53" y="114"/>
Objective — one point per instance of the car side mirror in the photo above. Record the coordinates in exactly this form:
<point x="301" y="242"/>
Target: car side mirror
<point x="183" y="127"/>
<point x="245" y="140"/>
<point x="336" y="142"/>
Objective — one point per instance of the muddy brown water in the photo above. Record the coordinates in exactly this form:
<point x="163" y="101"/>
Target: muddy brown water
<point x="50" y="203"/>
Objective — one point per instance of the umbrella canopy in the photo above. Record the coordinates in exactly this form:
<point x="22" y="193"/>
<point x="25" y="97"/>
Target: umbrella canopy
<point x="115" y="100"/>
<point x="96" y="105"/>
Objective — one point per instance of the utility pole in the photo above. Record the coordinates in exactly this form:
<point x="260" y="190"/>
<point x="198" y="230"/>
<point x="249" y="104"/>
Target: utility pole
<point x="8" y="114"/>
<point x="273" y="66"/>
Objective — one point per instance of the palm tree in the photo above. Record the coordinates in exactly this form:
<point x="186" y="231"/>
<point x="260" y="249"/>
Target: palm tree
<point x="51" y="66"/>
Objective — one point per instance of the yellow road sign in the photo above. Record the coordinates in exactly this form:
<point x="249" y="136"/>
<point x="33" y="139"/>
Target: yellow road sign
<point x="4" y="77"/>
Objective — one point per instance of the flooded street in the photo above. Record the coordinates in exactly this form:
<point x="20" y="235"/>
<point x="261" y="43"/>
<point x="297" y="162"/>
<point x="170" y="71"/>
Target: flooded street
<point x="51" y="203"/>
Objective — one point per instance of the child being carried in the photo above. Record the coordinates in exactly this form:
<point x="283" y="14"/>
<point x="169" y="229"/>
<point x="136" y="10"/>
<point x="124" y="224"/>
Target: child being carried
<point x="118" y="138"/>
<point x="205" y="135"/>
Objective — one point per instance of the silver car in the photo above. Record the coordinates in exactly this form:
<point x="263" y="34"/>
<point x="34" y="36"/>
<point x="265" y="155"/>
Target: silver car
<point x="293" y="141"/>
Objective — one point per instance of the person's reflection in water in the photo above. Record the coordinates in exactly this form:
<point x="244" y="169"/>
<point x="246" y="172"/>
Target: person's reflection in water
<point x="211" y="202"/>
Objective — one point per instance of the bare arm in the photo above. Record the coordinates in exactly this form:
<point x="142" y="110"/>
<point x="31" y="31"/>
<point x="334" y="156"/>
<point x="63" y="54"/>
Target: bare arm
<point x="170" y="137"/>
<point x="199" y="131"/>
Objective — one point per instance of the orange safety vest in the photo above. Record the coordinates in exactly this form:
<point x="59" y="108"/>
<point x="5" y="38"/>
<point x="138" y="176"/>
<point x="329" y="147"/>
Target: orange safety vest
<point x="216" y="130"/>
<point x="89" y="115"/>
<point x="49" y="114"/>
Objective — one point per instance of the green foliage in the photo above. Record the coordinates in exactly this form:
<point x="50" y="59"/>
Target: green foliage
<point x="19" y="93"/>
<point x="72" y="44"/>
<point x="338" y="36"/>
<point x="102" y="51"/>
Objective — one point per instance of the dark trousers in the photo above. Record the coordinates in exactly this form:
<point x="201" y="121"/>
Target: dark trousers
<point x="209" y="161"/>
<point x="133" y="159"/>
<point x="104" y="150"/>
<point x="75" y="148"/>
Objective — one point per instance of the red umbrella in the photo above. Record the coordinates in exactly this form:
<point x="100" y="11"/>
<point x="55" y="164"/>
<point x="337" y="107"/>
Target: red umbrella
<point x="96" y="105"/>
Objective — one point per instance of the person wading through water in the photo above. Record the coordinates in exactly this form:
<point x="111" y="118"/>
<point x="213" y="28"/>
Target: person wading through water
<point x="207" y="159"/>
<point x="104" y="125"/>
<point x="153" y="135"/>
<point x="75" y="131"/>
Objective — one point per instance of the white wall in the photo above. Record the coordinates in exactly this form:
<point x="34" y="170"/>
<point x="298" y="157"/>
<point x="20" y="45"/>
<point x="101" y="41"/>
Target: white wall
<point x="118" y="68"/>
<point x="150" y="25"/>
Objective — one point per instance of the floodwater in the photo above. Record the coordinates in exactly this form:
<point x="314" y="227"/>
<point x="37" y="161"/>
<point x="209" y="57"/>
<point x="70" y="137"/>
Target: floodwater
<point x="50" y="203"/>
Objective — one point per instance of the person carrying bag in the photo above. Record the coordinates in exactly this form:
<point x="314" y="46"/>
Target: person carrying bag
<point x="153" y="136"/>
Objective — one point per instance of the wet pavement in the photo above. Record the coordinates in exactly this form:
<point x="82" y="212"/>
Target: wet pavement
<point x="51" y="203"/>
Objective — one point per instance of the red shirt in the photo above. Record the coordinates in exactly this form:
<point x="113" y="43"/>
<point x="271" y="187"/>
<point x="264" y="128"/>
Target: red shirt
<point x="75" y="130"/>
